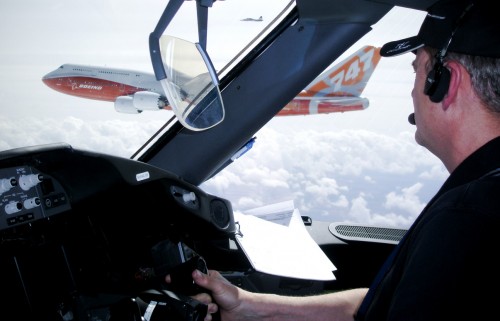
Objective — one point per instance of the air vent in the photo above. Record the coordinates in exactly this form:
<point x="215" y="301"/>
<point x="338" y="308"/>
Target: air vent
<point x="367" y="233"/>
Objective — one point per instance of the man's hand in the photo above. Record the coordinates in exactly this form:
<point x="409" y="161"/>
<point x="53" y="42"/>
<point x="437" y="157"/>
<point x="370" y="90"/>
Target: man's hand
<point x="221" y="296"/>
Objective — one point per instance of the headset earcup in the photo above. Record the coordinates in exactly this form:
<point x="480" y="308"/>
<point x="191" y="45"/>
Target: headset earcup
<point x="437" y="83"/>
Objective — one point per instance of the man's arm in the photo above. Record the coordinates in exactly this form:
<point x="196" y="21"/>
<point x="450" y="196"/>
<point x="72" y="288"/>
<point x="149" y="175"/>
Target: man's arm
<point x="237" y="304"/>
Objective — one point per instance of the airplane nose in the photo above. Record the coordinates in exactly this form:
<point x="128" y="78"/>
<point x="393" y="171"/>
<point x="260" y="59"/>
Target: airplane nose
<point x="48" y="76"/>
<point x="52" y="75"/>
<point x="49" y="80"/>
<point x="46" y="80"/>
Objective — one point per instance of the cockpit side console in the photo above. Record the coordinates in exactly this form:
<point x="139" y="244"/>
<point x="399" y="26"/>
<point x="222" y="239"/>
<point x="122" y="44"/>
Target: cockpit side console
<point x="80" y="231"/>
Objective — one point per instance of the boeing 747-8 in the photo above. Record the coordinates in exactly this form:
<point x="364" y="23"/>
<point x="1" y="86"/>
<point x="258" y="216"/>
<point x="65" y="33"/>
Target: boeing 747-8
<point x="336" y="90"/>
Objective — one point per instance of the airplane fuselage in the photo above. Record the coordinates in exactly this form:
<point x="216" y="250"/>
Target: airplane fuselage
<point x="100" y="83"/>
<point x="134" y="91"/>
<point x="109" y="84"/>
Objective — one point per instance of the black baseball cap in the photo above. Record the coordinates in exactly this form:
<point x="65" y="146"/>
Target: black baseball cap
<point x="466" y="26"/>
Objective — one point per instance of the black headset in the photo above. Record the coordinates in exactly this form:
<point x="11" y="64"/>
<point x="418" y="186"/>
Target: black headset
<point x="438" y="79"/>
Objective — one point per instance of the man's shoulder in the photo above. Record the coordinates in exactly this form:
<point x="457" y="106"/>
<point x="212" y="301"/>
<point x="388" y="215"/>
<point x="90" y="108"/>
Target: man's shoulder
<point x="482" y="194"/>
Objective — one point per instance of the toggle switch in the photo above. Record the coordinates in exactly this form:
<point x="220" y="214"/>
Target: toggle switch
<point x="189" y="197"/>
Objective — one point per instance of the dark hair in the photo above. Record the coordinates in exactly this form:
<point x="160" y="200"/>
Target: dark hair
<point x="484" y="72"/>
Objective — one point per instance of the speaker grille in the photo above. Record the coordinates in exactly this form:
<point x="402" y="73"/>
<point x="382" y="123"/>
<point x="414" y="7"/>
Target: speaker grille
<point x="367" y="233"/>
<point x="219" y="213"/>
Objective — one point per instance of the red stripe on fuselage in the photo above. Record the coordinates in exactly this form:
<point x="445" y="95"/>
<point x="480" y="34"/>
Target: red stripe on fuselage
<point x="91" y="88"/>
<point x="303" y="107"/>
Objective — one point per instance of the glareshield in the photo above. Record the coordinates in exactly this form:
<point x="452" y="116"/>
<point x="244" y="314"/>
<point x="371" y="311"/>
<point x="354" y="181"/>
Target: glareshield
<point x="191" y="84"/>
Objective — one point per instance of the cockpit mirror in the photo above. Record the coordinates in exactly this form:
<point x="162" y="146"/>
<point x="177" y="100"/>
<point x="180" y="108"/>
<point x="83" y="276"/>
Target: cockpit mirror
<point x="191" y="84"/>
<point x="186" y="72"/>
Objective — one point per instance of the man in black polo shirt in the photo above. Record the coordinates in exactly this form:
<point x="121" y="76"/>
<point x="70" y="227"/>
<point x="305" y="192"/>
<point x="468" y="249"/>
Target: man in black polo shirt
<point x="445" y="268"/>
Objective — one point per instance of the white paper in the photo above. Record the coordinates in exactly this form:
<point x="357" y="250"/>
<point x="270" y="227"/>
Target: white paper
<point x="276" y="242"/>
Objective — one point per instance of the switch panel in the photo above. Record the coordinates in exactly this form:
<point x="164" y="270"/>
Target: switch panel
<point x="27" y="195"/>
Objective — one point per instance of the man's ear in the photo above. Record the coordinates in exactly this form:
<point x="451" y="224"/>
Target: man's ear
<point x="456" y="77"/>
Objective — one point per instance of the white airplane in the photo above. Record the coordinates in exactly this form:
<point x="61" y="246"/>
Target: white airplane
<point x="253" y="19"/>
<point x="336" y="90"/>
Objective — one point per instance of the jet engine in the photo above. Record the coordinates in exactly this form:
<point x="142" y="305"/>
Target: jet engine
<point x="142" y="100"/>
<point x="125" y="104"/>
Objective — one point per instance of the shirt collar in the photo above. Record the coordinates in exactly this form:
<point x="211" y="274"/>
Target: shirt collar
<point x="479" y="163"/>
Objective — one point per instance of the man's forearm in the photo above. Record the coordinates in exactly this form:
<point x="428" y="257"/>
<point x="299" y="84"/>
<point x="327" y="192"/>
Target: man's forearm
<point x="336" y="306"/>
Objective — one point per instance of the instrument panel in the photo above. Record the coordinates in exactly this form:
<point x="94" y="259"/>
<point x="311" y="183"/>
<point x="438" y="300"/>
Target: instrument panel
<point x="41" y="182"/>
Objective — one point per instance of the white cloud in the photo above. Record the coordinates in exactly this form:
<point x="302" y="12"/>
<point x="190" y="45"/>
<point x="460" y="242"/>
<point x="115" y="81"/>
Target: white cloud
<point x="351" y="175"/>
<point x="116" y="137"/>
<point x="435" y="171"/>
<point x="407" y="200"/>
<point x="359" y="211"/>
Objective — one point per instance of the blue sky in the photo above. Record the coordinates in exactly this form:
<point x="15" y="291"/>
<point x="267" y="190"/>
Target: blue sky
<point x="359" y="166"/>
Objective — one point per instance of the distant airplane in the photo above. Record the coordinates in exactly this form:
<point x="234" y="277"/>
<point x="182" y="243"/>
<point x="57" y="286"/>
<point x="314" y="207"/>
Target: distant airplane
<point x="253" y="19"/>
<point x="336" y="90"/>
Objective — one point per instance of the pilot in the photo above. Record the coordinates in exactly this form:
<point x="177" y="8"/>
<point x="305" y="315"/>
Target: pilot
<point x="445" y="268"/>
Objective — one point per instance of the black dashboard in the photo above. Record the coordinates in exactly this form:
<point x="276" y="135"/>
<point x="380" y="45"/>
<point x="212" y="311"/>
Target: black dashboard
<point x="82" y="231"/>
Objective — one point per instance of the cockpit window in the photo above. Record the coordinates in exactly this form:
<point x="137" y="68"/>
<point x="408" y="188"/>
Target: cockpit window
<point x="86" y="78"/>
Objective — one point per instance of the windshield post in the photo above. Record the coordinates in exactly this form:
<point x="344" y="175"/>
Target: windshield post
<point x="154" y="38"/>
<point x="202" y="15"/>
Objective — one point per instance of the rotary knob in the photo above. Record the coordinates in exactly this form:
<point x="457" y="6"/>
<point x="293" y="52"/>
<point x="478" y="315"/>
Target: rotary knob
<point x="28" y="181"/>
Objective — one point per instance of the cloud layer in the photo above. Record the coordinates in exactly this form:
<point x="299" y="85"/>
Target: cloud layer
<point x="337" y="175"/>
<point x="347" y="175"/>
